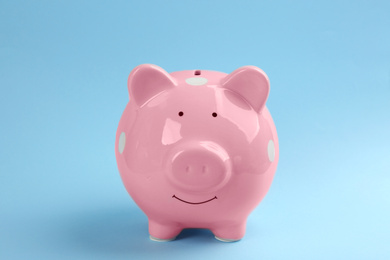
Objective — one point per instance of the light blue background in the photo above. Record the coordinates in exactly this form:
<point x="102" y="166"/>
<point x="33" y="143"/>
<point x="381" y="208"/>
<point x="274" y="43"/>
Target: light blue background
<point x="63" y="73"/>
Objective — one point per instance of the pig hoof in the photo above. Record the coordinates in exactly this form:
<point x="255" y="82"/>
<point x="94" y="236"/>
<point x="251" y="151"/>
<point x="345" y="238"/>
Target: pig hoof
<point x="226" y="240"/>
<point x="161" y="240"/>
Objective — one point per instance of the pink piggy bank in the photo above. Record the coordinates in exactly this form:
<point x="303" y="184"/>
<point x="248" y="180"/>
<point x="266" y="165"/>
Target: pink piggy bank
<point x="197" y="149"/>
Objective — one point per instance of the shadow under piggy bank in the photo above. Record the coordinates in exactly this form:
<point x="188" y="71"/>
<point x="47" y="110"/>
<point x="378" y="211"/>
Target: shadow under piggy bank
<point x="122" y="231"/>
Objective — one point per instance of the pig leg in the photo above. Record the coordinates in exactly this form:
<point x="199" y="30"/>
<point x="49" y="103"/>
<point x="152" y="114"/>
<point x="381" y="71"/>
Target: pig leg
<point x="163" y="232"/>
<point x="230" y="233"/>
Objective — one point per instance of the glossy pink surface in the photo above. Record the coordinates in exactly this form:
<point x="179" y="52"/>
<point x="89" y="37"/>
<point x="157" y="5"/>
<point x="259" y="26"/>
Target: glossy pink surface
<point x="197" y="151"/>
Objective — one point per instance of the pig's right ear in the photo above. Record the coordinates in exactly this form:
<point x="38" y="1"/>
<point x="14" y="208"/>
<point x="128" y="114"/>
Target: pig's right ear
<point x="146" y="81"/>
<point x="251" y="83"/>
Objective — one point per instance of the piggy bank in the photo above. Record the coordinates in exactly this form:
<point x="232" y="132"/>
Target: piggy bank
<point x="197" y="148"/>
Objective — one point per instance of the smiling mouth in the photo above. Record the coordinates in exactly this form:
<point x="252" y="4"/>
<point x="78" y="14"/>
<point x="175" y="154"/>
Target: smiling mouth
<point x="194" y="203"/>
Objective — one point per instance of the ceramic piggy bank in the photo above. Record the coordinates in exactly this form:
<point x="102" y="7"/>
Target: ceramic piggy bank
<point x="197" y="148"/>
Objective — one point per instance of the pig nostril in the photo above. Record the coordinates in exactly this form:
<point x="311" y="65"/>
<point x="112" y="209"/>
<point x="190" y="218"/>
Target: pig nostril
<point x="188" y="169"/>
<point x="204" y="169"/>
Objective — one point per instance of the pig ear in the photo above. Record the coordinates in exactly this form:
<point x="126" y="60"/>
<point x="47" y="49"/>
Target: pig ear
<point x="146" y="81"/>
<point x="251" y="83"/>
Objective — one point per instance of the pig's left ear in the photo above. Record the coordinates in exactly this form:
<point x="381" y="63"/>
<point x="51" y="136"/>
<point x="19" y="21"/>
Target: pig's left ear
<point x="146" y="81"/>
<point x="251" y="83"/>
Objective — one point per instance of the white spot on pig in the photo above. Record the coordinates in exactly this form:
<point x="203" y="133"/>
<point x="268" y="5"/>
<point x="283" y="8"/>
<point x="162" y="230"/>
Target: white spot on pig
<point x="122" y="142"/>
<point x="271" y="150"/>
<point x="196" y="81"/>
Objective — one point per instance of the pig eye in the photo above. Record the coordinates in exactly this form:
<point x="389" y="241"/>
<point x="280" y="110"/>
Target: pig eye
<point x="214" y="114"/>
<point x="181" y="113"/>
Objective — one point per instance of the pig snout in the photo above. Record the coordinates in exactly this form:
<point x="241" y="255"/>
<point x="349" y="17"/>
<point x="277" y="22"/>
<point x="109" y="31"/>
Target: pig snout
<point x="203" y="166"/>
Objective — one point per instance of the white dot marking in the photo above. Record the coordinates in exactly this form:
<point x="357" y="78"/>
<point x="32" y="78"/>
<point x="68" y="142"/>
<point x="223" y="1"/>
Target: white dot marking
<point x="196" y="81"/>
<point x="271" y="150"/>
<point x="122" y="142"/>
